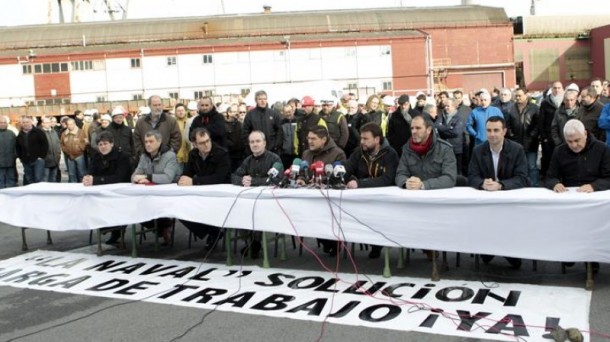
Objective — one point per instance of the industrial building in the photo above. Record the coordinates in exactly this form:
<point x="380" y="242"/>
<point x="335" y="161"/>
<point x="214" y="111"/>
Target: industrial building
<point x="393" y="50"/>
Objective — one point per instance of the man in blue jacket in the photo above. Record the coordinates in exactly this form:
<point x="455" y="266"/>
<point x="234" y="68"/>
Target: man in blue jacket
<point x="478" y="118"/>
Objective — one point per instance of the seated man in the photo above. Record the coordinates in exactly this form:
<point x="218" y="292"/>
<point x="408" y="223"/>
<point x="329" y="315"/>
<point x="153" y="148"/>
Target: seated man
<point x="373" y="164"/>
<point x="498" y="164"/>
<point x="324" y="149"/>
<point x="253" y="172"/>
<point x="208" y="163"/>
<point x="109" y="166"/>
<point x="582" y="162"/>
<point x="427" y="163"/>
<point x="157" y="165"/>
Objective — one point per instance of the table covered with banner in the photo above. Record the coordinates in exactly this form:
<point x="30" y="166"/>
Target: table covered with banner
<point x="530" y="223"/>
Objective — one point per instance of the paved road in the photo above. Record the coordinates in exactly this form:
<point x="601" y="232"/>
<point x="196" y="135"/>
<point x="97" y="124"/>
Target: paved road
<point x="28" y="315"/>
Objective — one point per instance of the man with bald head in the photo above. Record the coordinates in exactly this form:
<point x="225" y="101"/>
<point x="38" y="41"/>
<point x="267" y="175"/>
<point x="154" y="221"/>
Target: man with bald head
<point x="8" y="156"/>
<point x="548" y="107"/>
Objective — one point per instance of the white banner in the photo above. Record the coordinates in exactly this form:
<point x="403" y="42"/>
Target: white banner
<point x="449" y="307"/>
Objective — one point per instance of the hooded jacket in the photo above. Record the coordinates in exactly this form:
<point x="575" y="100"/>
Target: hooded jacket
<point x="328" y="154"/>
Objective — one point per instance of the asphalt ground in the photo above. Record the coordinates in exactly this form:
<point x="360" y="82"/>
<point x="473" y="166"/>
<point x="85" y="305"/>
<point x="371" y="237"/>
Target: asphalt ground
<point x="31" y="315"/>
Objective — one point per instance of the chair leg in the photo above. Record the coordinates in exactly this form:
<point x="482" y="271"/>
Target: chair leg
<point x="134" y="252"/>
<point x="435" y="276"/>
<point x="294" y="242"/>
<point x="275" y="249"/>
<point x="24" y="244"/>
<point x="444" y="265"/>
<point x="457" y="259"/>
<point x="90" y="237"/>
<point x="401" y="258"/>
<point x="99" y="241"/>
<point x="229" y="261"/>
<point x="387" y="273"/>
<point x="283" y="251"/>
<point x="535" y="265"/>
<point x="49" y="240"/>
<point x="301" y="241"/>
<point x="265" y="251"/>
<point x="476" y="262"/>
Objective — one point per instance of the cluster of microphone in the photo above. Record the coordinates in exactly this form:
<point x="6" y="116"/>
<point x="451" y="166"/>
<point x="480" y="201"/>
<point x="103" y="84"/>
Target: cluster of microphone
<point x="316" y="174"/>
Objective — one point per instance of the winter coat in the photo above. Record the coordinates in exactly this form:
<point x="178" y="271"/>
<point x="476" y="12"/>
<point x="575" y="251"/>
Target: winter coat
<point x="376" y="171"/>
<point x="160" y="169"/>
<point x="328" y="154"/>
<point x="255" y="167"/>
<point x="589" y="115"/>
<point x="337" y="127"/>
<point x="477" y="122"/>
<point x="8" y="153"/>
<point x="54" y="154"/>
<point x="267" y="121"/>
<point x="560" y="119"/>
<point x="167" y="126"/>
<point x="589" y="166"/>
<point x="32" y="145"/>
<point x="437" y="169"/>
<point x="73" y="144"/>
<point x="524" y="127"/>
<point x="399" y="129"/>
<point x="214" y="122"/>
<point x="115" y="167"/>
<point x="214" y="169"/>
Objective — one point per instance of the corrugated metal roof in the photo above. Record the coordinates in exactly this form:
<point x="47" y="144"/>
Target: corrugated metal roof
<point x="562" y="25"/>
<point x="213" y="42"/>
<point x="315" y="22"/>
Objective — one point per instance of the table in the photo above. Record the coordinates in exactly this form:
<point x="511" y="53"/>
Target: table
<point x="532" y="223"/>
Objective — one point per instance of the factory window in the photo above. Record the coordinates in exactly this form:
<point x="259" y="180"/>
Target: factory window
<point x="173" y="95"/>
<point x="171" y="60"/>
<point x="385" y="50"/>
<point x="27" y="69"/>
<point x="137" y="97"/>
<point x="135" y="62"/>
<point x="387" y="85"/>
<point x="245" y="91"/>
<point x="100" y="99"/>
<point x="37" y="68"/>
<point x="209" y="93"/>
<point x="207" y="59"/>
<point x="351" y="86"/>
<point x="82" y="65"/>
<point x="197" y="95"/>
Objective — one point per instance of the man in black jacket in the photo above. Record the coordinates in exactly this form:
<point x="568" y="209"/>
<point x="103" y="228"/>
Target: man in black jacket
<point x="264" y="119"/>
<point x="208" y="163"/>
<point x="32" y="147"/>
<point x="498" y="164"/>
<point x="109" y="166"/>
<point x="548" y="106"/>
<point x="211" y="120"/>
<point x="373" y="164"/>
<point x="253" y="172"/>
<point x="399" y="126"/>
<point x="524" y="129"/>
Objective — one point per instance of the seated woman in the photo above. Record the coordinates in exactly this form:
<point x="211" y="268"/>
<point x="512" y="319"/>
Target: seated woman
<point x="109" y="166"/>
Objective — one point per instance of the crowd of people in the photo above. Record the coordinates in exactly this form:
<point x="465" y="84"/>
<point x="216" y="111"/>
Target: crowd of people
<point x="489" y="140"/>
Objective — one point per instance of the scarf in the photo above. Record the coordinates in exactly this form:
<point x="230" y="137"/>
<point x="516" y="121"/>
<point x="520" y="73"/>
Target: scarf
<point x="556" y="100"/>
<point x="421" y="149"/>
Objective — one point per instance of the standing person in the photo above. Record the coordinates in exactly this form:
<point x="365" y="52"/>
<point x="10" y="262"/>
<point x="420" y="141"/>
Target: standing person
<point x="289" y="126"/>
<point x="209" y="118"/>
<point x="335" y="123"/>
<point x="122" y="134"/>
<point x="566" y="111"/>
<point x="451" y="129"/>
<point x="53" y="156"/>
<point x="32" y="147"/>
<point x="233" y="132"/>
<point x="73" y="144"/>
<point x="108" y="166"/>
<point x="399" y="126"/>
<point x="308" y="122"/>
<point x="8" y="155"/>
<point x="548" y="107"/>
<point x="355" y="120"/>
<point x="523" y="117"/>
<point x="590" y="111"/>
<point x="158" y="121"/>
<point x="478" y="117"/>
<point x="185" y="148"/>
<point x="264" y="119"/>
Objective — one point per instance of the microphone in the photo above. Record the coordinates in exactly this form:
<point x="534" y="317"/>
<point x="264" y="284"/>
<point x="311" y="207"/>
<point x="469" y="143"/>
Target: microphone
<point x="284" y="181"/>
<point x="274" y="171"/>
<point x="295" y="168"/>
<point x="328" y="170"/>
<point x="339" y="170"/>
<point x="305" y="171"/>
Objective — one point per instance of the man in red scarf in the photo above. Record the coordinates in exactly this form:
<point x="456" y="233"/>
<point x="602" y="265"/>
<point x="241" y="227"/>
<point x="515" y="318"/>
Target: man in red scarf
<point x="427" y="162"/>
